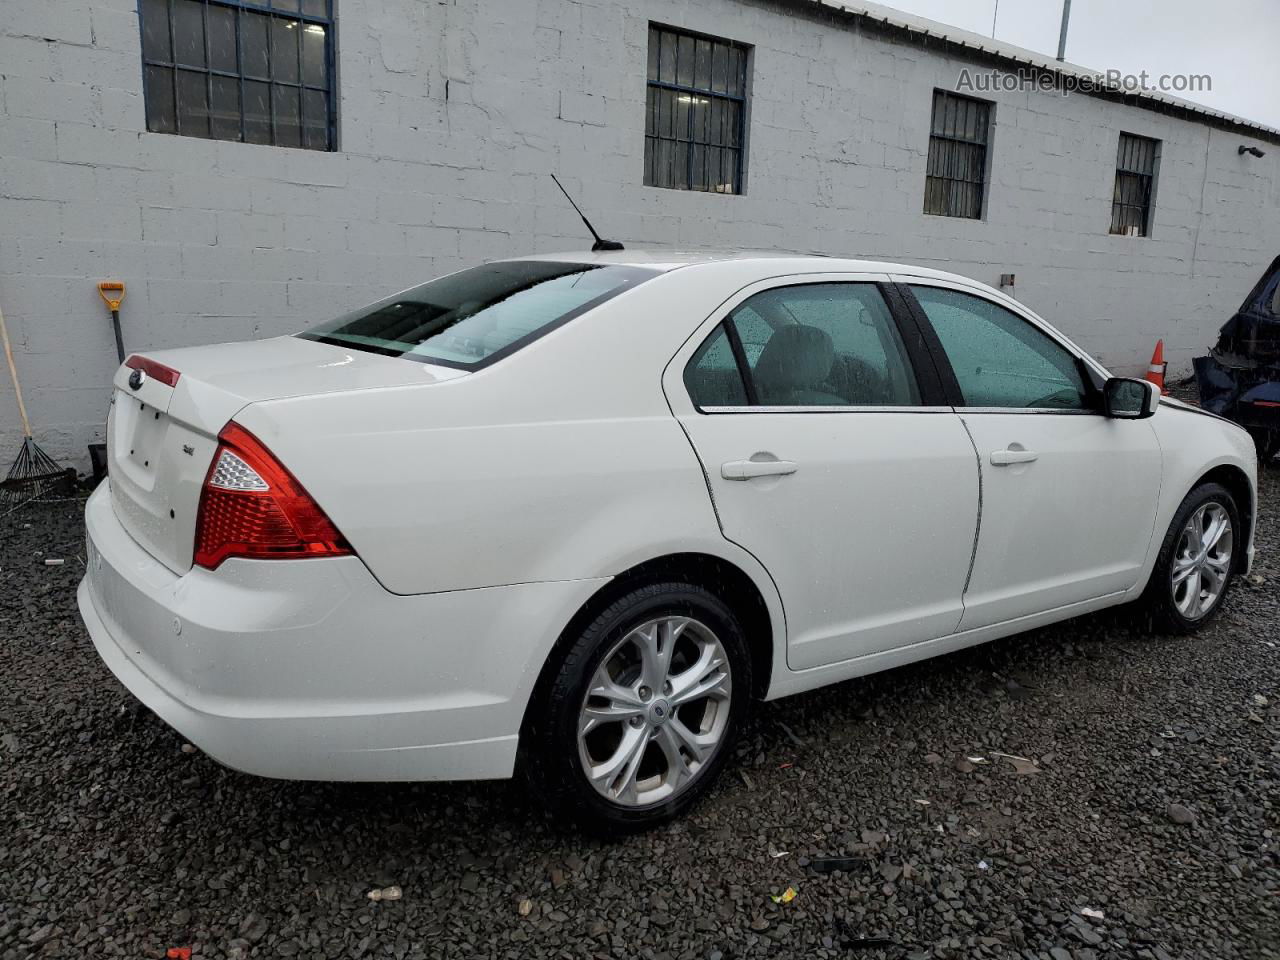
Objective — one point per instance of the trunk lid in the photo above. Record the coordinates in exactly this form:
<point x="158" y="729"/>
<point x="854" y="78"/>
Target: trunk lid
<point x="161" y="439"/>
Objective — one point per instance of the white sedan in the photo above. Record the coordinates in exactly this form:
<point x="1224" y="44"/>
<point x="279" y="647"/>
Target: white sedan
<point x="573" y="514"/>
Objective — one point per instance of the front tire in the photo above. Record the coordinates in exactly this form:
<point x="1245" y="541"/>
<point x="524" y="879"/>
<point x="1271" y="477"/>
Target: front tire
<point x="1197" y="561"/>
<point x="642" y="711"/>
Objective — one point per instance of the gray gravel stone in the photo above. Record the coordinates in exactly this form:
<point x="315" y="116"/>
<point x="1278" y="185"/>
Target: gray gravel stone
<point x="1180" y="814"/>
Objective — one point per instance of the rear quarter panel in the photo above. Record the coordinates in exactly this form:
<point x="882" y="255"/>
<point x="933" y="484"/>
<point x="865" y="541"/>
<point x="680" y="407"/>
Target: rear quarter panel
<point x="561" y="461"/>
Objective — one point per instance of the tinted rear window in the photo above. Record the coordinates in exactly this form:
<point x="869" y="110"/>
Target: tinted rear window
<point x="477" y="316"/>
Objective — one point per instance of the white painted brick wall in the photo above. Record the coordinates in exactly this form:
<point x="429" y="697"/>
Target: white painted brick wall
<point x="221" y="241"/>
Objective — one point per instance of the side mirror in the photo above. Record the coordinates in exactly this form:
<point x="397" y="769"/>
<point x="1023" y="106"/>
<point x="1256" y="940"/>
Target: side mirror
<point x="1127" y="399"/>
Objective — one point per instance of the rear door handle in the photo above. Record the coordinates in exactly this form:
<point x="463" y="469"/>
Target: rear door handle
<point x="747" y="469"/>
<point x="1002" y="458"/>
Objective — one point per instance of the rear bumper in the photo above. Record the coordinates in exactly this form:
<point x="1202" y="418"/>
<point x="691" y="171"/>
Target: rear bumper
<point x="310" y="670"/>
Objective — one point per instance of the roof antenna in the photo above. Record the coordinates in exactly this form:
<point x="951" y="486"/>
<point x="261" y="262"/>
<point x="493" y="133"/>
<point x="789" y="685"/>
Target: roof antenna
<point x="599" y="244"/>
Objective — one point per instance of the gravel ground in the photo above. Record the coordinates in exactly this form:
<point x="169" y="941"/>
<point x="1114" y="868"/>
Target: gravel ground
<point x="115" y="842"/>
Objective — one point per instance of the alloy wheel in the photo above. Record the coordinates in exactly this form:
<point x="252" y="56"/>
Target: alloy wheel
<point x="1202" y="561"/>
<point x="656" y="711"/>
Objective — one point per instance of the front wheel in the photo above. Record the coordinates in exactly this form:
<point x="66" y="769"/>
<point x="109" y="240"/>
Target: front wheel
<point x="1197" y="561"/>
<point x="642" y="711"/>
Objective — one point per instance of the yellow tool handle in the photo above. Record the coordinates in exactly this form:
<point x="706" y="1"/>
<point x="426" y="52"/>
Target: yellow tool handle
<point x="13" y="372"/>
<point x="108" y="287"/>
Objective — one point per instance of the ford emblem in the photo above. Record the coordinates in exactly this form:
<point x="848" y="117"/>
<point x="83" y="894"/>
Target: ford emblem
<point x="136" y="379"/>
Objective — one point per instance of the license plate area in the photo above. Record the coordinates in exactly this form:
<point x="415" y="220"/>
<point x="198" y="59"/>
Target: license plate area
<point x="139" y="438"/>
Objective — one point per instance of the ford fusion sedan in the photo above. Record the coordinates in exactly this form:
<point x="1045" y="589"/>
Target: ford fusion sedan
<point x="573" y="515"/>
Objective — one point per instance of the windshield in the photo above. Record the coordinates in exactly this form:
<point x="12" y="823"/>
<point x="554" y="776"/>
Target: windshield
<point x="472" y="318"/>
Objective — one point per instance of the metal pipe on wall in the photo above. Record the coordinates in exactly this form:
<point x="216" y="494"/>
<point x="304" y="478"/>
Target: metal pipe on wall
<point x="1062" y="35"/>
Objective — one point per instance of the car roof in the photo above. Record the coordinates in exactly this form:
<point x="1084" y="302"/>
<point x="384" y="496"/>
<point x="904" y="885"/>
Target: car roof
<point x="666" y="260"/>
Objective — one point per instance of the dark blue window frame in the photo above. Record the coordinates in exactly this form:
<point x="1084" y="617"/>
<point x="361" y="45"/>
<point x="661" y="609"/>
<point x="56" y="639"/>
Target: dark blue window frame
<point x="695" y="111"/>
<point x="196" y="85"/>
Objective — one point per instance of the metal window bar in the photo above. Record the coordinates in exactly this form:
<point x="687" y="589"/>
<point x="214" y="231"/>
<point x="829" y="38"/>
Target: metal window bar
<point x="1135" y="177"/>
<point x="955" y="173"/>
<point x="695" y="112"/>
<point x="174" y="67"/>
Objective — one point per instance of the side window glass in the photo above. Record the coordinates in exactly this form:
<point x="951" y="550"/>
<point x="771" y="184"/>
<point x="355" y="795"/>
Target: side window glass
<point x="712" y="377"/>
<point x="999" y="358"/>
<point x="824" y="344"/>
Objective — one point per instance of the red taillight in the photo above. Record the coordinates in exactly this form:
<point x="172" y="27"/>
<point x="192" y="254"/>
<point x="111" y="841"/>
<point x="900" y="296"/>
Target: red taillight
<point x="251" y="506"/>
<point x="154" y="369"/>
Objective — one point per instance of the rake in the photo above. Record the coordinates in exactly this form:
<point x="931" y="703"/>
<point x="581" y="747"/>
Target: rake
<point x="34" y="473"/>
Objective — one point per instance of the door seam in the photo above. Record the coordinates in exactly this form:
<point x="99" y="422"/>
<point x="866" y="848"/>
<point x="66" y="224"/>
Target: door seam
<point x="977" y="528"/>
<point x="715" y="511"/>
<point x="715" y="507"/>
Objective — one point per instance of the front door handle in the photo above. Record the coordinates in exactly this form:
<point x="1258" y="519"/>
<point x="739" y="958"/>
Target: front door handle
<point x="748" y="469"/>
<point x="1002" y="458"/>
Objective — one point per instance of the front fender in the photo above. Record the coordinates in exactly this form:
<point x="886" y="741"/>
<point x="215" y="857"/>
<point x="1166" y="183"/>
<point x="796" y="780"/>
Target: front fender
<point x="1193" y="444"/>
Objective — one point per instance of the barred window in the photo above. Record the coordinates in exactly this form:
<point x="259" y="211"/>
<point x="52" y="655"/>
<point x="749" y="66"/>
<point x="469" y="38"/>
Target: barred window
<point x="697" y="98"/>
<point x="260" y="72"/>
<point x="1135" y="178"/>
<point x="956" y="173"/>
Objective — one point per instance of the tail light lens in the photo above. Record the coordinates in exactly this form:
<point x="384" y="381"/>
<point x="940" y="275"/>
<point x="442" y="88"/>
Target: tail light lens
<point x="251" y="506"/>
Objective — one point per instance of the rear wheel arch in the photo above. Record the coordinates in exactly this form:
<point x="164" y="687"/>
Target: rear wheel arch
<point x="715" y="574"/>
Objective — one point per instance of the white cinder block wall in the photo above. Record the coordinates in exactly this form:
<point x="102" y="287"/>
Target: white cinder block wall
<point x="452" y="113"/>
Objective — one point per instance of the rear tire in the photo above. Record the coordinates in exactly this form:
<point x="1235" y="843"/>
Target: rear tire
<point x="1197" y="561"/>
<point x="642" y="710"/>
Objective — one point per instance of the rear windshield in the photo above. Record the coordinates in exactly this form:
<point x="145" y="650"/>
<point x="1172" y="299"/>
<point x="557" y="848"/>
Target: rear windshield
<point x="472" y="318"/>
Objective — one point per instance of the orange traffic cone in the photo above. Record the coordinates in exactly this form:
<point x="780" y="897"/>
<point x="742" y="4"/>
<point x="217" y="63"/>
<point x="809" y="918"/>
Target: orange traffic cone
<point x="1155" y="372"/>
